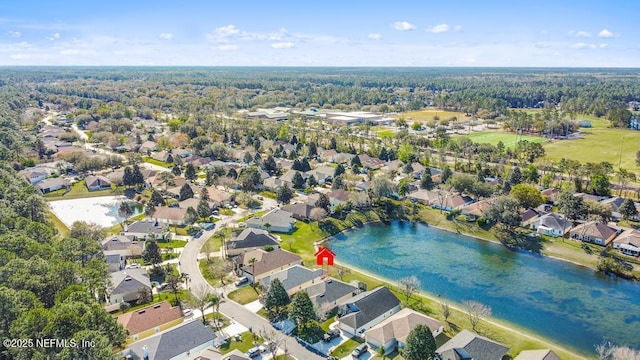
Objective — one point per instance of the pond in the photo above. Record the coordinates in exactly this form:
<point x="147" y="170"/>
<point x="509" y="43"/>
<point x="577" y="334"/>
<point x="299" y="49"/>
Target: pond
<point x="570" y="304"/>
<point x="101" y="210"/>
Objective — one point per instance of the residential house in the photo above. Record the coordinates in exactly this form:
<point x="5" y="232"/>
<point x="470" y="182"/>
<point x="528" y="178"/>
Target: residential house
<point x="170" y="216"/>
<point x="338" y="197"/>
<point x="343" y="158"/>
<point x="191" y="203"/>
<point x="34" y="175"/>
<point x="287" y="177"/>
<point x="327" y="293"/>
<point x="150" y="320"/>
<point x="366" y="310"/>
<point x="293" y="278"/>
<point x="177" y="343"/>
<point x="475" y="210"/>
<point x="174" y="191"/>
<point x="418" y="170"/>
<point x="300" y="211"/>
<point x="251" y="239"/>
<point x="628" y="242"/>
<point x="266" y="262"/>
<point x="552" y="195"/>
<point x="276" y="220"/>
<point x="163" y="156"/>
<point x="392" y="166"/>
<point x="328" y="155"/>
<point x="392" y="333"/>
<point x="147" y="147"/>
<point x="468" y="345"/>
<point x="212" y="353"/>
<point x="451" y="201"/>
<point x="52" y="184"/>
<point x="98" y="182"/>
<point x="369" y="162"/>
<point x="614" y="203"/>
<point x="590" y="197"/>
<point x="217" y="196"/>
<point x="594" y="232"/>
<point x="145" y="230"/>
<point x="426" y="197"/>
<point x="115" y="259"/>
<point x="127" y="284"/>
<point x="529" y="216"/>
<point x="272" y="183"/>
<point x="551" y="224"/>
<point x="321" y="173"/>
<point x="543" y="354"/>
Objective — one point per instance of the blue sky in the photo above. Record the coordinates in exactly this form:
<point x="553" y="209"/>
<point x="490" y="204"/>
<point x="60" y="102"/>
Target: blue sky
<point x="321" y="33"/>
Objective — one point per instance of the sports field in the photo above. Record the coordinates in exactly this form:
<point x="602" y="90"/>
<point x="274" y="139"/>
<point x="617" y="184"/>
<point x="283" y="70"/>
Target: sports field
<point x="509" y="140"/>
<point x="429" y="114"/>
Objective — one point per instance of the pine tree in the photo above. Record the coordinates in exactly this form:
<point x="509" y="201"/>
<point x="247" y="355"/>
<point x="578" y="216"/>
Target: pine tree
<point x="301" y="310"/>
<point x="284" y="194"/>
<point x="151" y="253"/>
<point x="156" y="199"/>
<point x="323" y="202"/>
<point x="276" y="299"/>
<point x="420" y="344"/>
<point x="138" y="178"/>
<point x="204" y="210"/>
<point x="311" y="181"/>
<point x="298" y="181"/>
<point x="339" y="171"/>
<point x="190" y="172"/>
<point x="186" y="192"/>
<point x="426" y="182"/>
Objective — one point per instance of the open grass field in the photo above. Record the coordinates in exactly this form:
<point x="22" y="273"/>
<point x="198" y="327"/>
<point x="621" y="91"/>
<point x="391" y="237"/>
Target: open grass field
<point x="429" y="114"/>
<point x="508" y="139"/>
<point x="63" y="230"/>
<point x="617" y="146"/>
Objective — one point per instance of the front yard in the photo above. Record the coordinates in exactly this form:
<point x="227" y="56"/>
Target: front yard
<point x="244" y="295"/>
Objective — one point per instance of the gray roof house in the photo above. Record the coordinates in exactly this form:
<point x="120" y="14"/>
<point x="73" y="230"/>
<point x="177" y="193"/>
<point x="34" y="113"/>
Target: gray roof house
<point x="251" y="239"/>
<point x="276" y="220"/>
<point x="551" y="224"/>
<point x="294" y="278"/>
<point x="392" y="333"/>
<point x="122" y="243"/>
<point x="177" y="343"/>
<point x="97" y="182"/>
<point x="52" y="184"/>
<point x="468" y="345"/>
<point x="115" y="259"/>
<point x="328" y="293"/>
<point x="300" y="211"/>
<point x="146" y="230"/>
<point x="126" y="284"/>
<point x="366" y="310"/>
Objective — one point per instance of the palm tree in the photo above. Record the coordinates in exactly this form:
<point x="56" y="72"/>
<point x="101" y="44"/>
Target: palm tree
<point x="167" y="179"/>
<point x="253" y="262"/>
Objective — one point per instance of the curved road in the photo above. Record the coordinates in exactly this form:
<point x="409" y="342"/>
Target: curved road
<point x="230" y="308"/>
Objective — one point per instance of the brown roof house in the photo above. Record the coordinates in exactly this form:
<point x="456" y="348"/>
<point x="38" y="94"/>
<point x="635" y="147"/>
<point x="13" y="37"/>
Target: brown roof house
<point x="392" y="332"/>
<point x="267" y="262"/>
<point x="150" y="320"/>
<point x="97" y="182"/>
<point x="475" y="210"/>
<point x="593" y="232"/>
<point x="543" y="354"/>
<point x="167" y="215"/>
<point x="300" y="211"/>
<point x="628" y="242"/>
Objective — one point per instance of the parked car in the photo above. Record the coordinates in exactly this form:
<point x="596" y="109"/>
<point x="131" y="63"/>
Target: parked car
<point x="241" y="280"/>
<point x="253" y="352"/>
<point x="361" y="349"/>
<point x="331" y="334"/>
<point x="198" y="234"/>
<point x="265" y="346"/>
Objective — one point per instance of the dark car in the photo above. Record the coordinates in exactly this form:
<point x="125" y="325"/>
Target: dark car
<point x="331" y="334"/>
<point x="361" y="349"/>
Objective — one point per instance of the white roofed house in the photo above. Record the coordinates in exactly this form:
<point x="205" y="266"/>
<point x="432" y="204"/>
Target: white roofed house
<point x="146" y="230"/>
<point x="172" y="216"/>
<point x="628" y="242"/>
<point x="276" y="220"/>
<point x="551" y="224"/>
<point x="52" y="184"/>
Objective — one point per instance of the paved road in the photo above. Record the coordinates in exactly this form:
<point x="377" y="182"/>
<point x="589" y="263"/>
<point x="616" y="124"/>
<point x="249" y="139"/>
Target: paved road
<point x="230" y="308"/>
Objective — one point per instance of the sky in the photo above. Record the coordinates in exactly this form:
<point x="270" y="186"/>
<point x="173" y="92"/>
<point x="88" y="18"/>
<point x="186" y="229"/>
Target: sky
<point x="559" y="33"/>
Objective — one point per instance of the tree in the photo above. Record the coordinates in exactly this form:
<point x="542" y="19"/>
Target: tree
<point x="301" y="310"/>
<point x="628" y="209"/>
<point x="149" y="209"/>
<point x="186" y="192"/>
<point x="202" y="298"/>
<point x="408" y="286"/>
<point x="156" y="199"/>
<point x="137" y="176"/>
<point x="339" y="170"/>
<point x="127" y="177"/>
<point x="311" y="181"/>
<point x="571" y="206"/>
<point x="528" y="195"/>
<point x="338" y="183"/>
<point x="144" y="296"/>
<point x="190" y="172"/>
<point x="250" y="178"/>
<point x="151" y="253"/>
<point x="276" y="299"/>
<point x="204" y="210"/>
<point x="446" y="174"/>
<point x="298" y="181"/>
<point x="167" y="179"/>
<point x="323" y="202"/>
<point x="382" y="187"/>
<point x="406" y="152"/>
<point x="426" y="182"/>
<point x="176" y="170"/>
<point x="269" y="165"/>
<point x="475" y="312"/>
<point x="515" y="177"/>
<point x="284" y="194"/>
<point x="125" y="211"/>
<point x="504" y="211"/>
<point x="80" y="229"/>
<point x="420" y="344"/>
<point x="317" y="214"/>
<point x="445" y="310"/>
<point x="173" y="282"/>
<point x="191" y="216"/>
<point x="600" y="185"/>
<point x="403" y="187"/>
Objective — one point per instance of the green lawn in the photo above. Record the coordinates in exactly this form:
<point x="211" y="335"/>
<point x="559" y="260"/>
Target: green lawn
<point x="173" y="244"/>
<point x="79" y="190"/>
<point x="386" y="133"/>
<point x="267" y="194"/>
<point x="244" y="295"/>
<point x="248" y="341"/>
<point x="63" y="230"/>
<point x="617" y="146"/>
<point x="153" y="161"/>
<point x="508" y="139"/>
<point x="205" y="268"/>
<point x="255" y="214"/>
<point x="169" y="296"/>
<point x="347" y="347"/>
<point x="430" y="114"/>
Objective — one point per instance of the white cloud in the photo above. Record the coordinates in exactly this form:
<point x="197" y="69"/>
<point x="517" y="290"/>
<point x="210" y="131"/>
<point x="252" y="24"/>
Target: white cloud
<point x="55" y="36"/>
<point x="375" y="36"/>
<point x="582" y="45"/>
<point x="403" y="26"/>
<point x="224" y="33"/>
<point x="580" y="34"/>
<point x="282" y="45"/>
<point x="439" y="28"/>
<point x="20" y="56"/>
<point x="457" y="28"/>
<point x="602" y="46"/>
<point x="166" y="36"/>
<point x="606" y="34"/>
<point x="227" y="47"/>
<point x="15" y="34"/>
